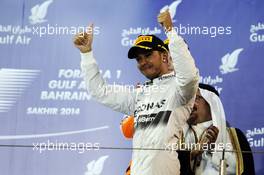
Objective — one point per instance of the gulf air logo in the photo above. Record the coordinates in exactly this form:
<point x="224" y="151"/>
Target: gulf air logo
<point x="95" y="167"/>
<point x="39" y="12"/>
<point x="172" y="8"/>
<point x="229" y="61"/>
<point x="13" y="82"/>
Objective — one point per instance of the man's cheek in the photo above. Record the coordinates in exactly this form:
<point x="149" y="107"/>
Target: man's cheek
<point x="140" y="68"/>
<point x="192" y="120"/>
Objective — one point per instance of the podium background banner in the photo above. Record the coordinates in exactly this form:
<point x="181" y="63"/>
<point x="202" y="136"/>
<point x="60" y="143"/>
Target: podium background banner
<point x="43" y="100"/>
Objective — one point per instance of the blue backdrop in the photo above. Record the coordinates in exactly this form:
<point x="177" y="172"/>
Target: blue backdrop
<point x="43" y="100"/>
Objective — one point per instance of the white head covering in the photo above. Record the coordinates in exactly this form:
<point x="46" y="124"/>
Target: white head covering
<point x="219" y="120"/>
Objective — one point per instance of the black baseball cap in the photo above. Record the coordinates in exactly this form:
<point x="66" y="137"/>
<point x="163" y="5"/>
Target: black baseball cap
<point x="166" y="43"/>
<point x="146" y="42"/>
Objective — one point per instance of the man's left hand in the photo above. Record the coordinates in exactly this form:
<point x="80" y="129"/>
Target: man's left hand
<point x="165" y="20"/>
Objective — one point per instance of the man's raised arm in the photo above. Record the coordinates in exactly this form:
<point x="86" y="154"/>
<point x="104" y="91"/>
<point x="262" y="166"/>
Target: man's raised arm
<point x="187" y="75"/>
<point x="119" y="98"/>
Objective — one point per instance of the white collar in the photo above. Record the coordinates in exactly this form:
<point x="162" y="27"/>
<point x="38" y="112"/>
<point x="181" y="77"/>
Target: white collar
<point x="205" y="125"/>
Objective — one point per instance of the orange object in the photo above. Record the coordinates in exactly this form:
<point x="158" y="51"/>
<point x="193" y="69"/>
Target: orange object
<point x="127" y="127"/>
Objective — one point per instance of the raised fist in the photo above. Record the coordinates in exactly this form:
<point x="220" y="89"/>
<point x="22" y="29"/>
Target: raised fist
<point x="165" y="20"/>
<point x="83" y="41"/>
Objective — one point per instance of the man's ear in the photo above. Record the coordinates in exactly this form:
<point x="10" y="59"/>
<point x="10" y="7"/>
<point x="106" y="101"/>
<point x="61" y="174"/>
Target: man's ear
<point x="165" y="57"/>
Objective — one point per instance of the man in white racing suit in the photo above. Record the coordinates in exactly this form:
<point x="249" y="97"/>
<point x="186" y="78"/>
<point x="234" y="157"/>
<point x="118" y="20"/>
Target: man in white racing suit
<point x="160" y="106"/>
